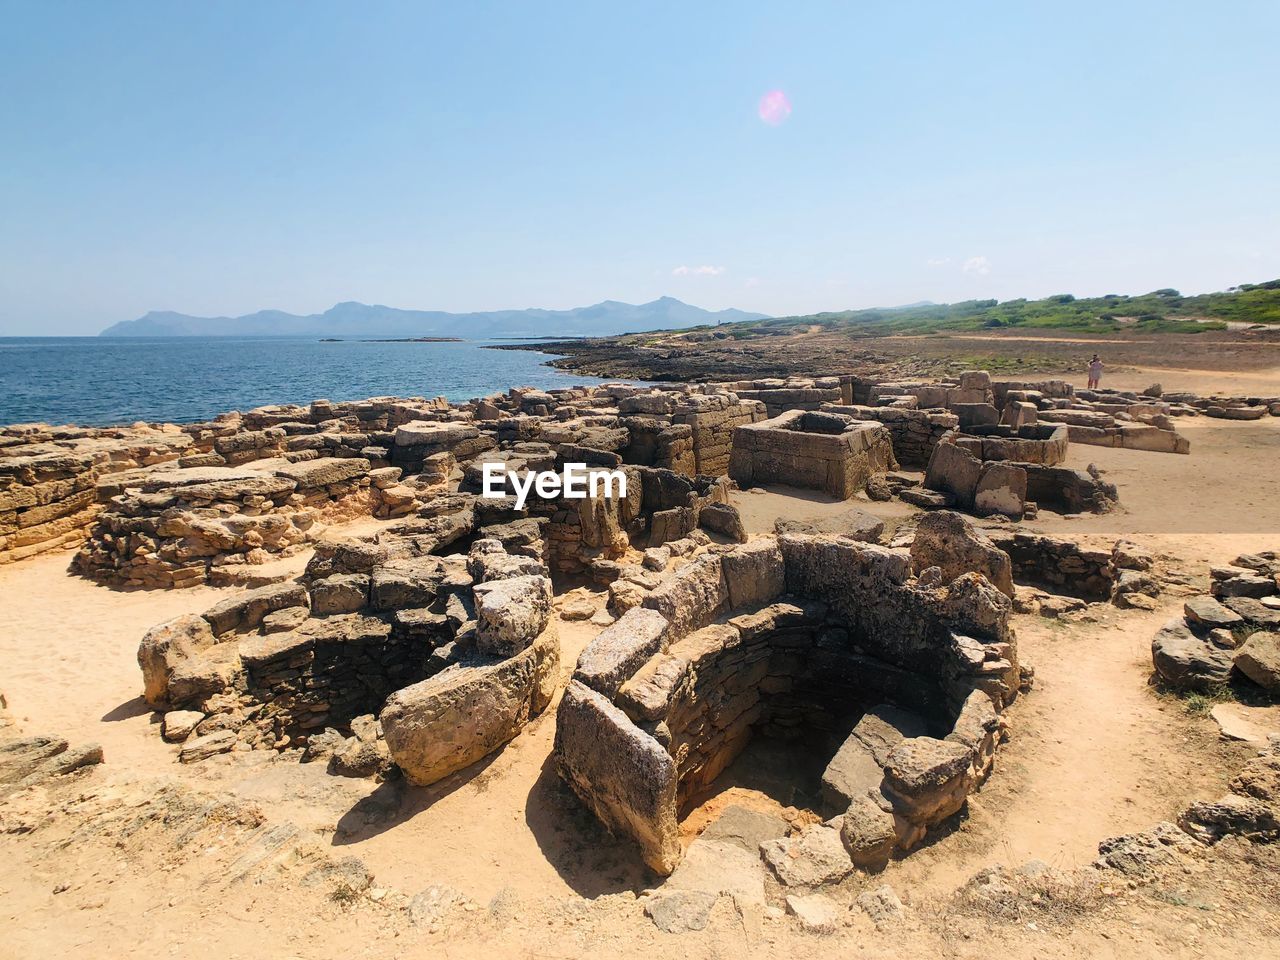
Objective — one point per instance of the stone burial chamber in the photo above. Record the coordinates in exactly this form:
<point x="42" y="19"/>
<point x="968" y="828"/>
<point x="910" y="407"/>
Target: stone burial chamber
<point x="823" y="642"/>
<point x="385" y="656"/>
<point x="972" y="473"/>
<point x="824" y="451"/>
<point x="182" y="527"/>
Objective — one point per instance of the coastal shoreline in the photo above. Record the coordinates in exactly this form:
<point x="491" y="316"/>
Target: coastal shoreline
<point x="716" y="355"/>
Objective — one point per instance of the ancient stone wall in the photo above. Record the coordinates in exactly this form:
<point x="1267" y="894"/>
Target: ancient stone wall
<point x="48" y="477"/>
<point x="176" y="528"/>
<point x="820" y="451"/>
<point x="711" y="419"/>
<point x="914" y="433"/>
<point x="656" y="442"/>
<point x="794" y="393"/>
<point x="1007" y="487"/>
<point x="775" y="635"/>
<point x="1034" y="443"/>
<point x="455" y="655"/>
<point x="1062" y="566"/>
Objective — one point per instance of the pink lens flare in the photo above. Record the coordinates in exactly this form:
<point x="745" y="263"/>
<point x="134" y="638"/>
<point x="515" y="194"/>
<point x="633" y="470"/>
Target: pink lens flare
<point x="774" y="108"/>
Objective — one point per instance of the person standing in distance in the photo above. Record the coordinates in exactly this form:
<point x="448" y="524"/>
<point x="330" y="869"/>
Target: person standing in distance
<point x="1095" y="372"/>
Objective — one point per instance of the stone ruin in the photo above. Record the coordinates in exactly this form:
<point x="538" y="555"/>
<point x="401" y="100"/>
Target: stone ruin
<point x="47" y="473"/>
<point x="214" y="502"/>
<point x="1230" y="635"/>
<point x="428" y="644"/>
<point x="196" y="525"/>
<point x="48" y="477"/>
<point x="424" y="647"/>
<point x="1108" y="418"/>
<point x="827" y="643"/>
<point x="914" y="433"/>
<point x="430" y="662"/>
<point x="968" y="472"/>
<point x="820" y="451"/>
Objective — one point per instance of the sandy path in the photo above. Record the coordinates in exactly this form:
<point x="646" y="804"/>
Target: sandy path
<point x="69" y="649"/>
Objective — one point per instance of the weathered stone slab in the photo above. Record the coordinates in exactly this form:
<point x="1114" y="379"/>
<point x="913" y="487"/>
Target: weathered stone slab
<point x="309" y="474"/>
<point x="620" y="649"/>
<point x="621" y="773"/>
<point x="1185" y="661"/>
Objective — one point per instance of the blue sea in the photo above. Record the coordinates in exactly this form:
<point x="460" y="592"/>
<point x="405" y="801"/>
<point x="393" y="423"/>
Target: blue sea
<point x="100" y="381"/>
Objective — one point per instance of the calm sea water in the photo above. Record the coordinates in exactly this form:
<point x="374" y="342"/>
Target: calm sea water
<point x="95" y="381"/>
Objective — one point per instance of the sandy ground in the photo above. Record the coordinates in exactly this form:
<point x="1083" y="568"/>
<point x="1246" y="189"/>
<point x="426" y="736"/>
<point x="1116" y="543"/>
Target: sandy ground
<point x="1093" y="752"/>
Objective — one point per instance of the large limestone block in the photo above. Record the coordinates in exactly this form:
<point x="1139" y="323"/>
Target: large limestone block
<point x="928" y="780"/>
<point x="954" y="471"/>
<point x="974" y="414"/>
<point x="420" y="433"/>
<point x="247" y="610"/>
<point x="1002" y="489"/>
<point x="621" y="773"/>
<point x="1207" y="613"/>
<point x="461" y="715"/>
<point x="164" y="647"/>
<point x="814" y="858"/>
<point x="214" y="670"/>
<point x="309" y="474"/>
<point x="692" y="598"/>
<point x="753" y="573"/>
<point x="341" y="593"/>
<point x="869" y="833"/>
<point x="858" y="766"/>
<point x="202" y="748"/>
<point x="406" y="584"/>
<point x="852" y="772"/>
<point x="1259" y="660"/>
<point x="724" y="519"/>
<point x="510" y="613"/>
<point x="620" y="649"/>
<point x="946" y="540"/>
<point x="224" y="485"/>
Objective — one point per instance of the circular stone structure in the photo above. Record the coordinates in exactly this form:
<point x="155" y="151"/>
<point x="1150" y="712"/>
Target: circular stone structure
<point x="828" y="642"/>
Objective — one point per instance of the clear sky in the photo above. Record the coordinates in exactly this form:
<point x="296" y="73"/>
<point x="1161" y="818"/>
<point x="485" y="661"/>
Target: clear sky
<point x="224" y="157"/>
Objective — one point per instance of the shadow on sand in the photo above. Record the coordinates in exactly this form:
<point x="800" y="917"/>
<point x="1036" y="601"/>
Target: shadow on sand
<point x="128" y="710"/>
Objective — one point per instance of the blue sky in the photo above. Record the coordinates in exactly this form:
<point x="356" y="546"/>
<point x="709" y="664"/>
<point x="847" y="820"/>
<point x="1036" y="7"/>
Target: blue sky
<point x="220" y="158"/>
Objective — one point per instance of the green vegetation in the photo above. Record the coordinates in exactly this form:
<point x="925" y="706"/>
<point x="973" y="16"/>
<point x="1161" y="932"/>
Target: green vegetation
<point x="1161" y="311"/>
<point x="1198" y="703"/>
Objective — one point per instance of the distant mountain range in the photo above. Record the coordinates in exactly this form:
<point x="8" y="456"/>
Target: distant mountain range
<point x="352" y="319"/>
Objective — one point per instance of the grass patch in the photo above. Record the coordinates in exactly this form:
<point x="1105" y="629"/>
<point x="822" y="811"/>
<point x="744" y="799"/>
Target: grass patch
<point x="344" y="894"/>
<point x="1198" y="703"/>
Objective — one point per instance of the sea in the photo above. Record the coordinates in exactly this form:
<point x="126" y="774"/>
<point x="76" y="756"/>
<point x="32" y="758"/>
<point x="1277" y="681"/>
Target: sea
<point x="95" y="381"/>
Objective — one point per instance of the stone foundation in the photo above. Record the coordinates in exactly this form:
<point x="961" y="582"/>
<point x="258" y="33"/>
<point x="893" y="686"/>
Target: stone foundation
<point x="1043" y="444"/>
<point x="798" y="637"/>
<point x="174" y="528"/>
<point x="1062" y="566"/>
<point x="970" y="483"/>
<point x="454" y="654"/>
<point x="820" y="451"/>
<point x="48" y="477"/>
<point x="914" y="432"/>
